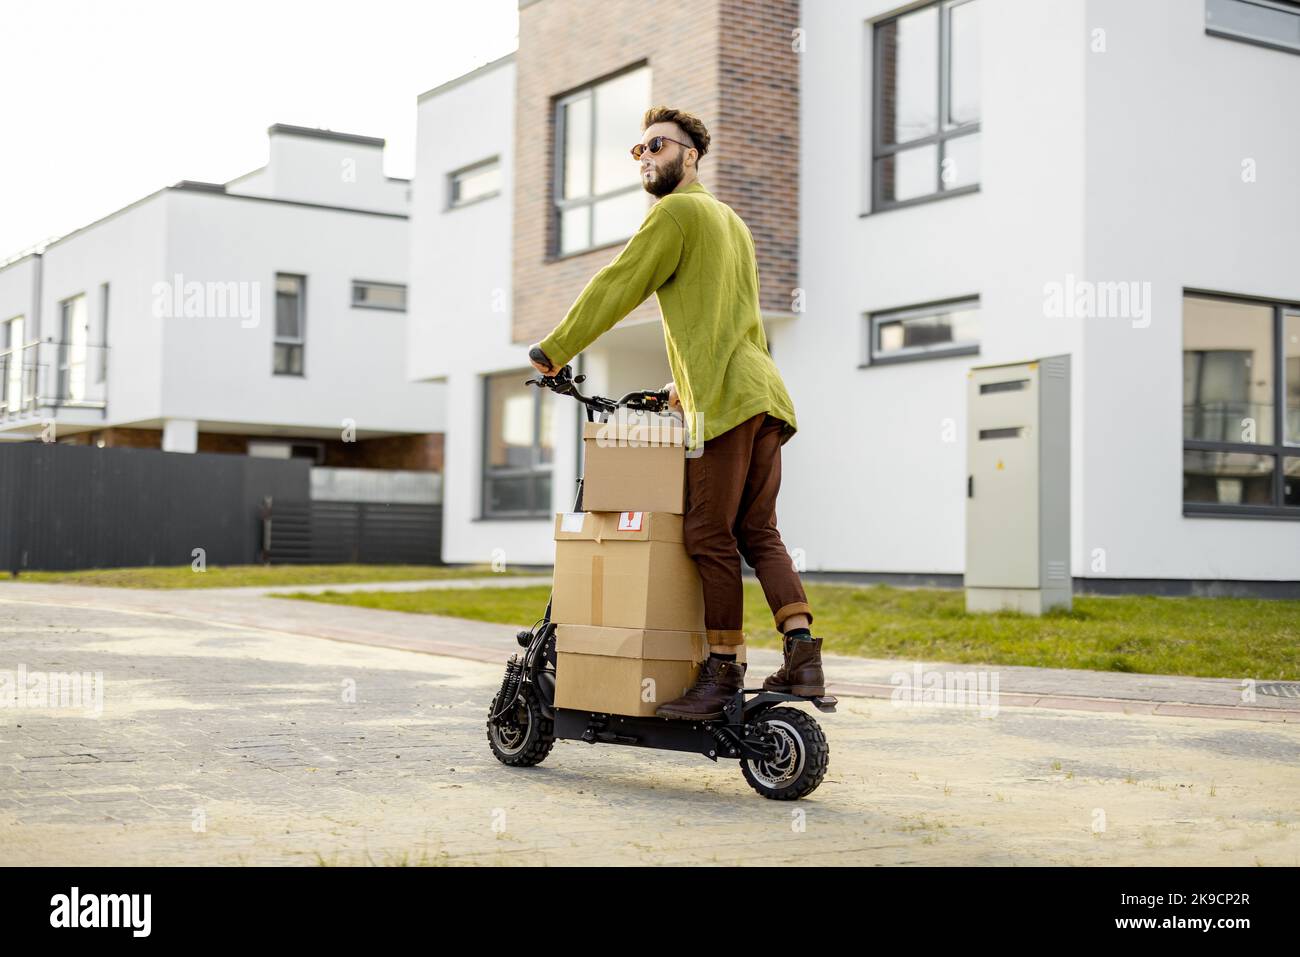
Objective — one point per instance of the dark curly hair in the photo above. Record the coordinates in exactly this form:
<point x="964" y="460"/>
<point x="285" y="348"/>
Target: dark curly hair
<point x="690" y="124"/>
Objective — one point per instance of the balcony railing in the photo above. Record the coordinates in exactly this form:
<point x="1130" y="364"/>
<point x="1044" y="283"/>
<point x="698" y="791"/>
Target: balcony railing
<point x="40" y="375"/>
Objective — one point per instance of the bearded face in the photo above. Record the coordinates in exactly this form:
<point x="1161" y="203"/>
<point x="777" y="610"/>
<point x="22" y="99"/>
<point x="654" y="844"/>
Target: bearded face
<point x="662" y="178"/>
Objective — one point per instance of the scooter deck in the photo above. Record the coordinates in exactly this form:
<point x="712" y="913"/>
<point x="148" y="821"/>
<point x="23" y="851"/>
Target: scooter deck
<point x="714" y="738"/>
<point x="663" y="734"/>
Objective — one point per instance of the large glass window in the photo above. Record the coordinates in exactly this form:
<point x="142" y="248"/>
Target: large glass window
<point x="290" y="306"/>
<point x="927" y="104"/>
<point x="923" y="332"/>
<point x="74" y="319"/>
<point x="1227" y="371"/>
<point x="11" y="364"/>
<point x="518" y="453"/>
<point x="598" y="194"/>
<point x="1241" y="407"/>
<point x="101" y="360"/>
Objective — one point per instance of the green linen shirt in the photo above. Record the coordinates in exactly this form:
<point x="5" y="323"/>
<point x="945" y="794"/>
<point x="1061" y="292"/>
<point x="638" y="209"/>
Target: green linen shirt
<point x="697" y="255"/>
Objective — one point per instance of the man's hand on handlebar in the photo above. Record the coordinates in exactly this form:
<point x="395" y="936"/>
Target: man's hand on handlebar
<point x="540" y="362"/>
<point x="674" y="402"/>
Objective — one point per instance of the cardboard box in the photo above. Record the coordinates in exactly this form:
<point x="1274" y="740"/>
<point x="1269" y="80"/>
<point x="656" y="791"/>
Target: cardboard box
<point x="634" y="465"/>
<point x="628" y="671"/>
<point x="625" y="570"/>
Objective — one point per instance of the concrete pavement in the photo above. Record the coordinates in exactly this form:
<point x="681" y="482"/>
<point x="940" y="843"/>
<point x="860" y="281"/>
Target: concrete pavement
<point x="1056" y="688"/>
<point x="225" y="743"/>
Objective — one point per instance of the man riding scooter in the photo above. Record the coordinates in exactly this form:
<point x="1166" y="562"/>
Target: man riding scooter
<point x="697" y="255"/>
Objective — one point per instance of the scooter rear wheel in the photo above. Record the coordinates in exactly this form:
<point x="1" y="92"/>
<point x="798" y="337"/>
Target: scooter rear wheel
<point x="523" y="736"/>
<point x="801" y="760"/>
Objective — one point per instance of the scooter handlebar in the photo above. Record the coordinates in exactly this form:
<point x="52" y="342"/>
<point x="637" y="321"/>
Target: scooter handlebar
<point x="565" y="382"/>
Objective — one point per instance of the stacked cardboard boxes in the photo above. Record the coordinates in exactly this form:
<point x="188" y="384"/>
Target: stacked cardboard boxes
<point x="628" y="603"/>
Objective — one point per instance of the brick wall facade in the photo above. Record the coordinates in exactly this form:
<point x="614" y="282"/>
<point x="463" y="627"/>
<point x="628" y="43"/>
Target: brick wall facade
<point x="758" y="135"/>
<point x="729" y="61"/>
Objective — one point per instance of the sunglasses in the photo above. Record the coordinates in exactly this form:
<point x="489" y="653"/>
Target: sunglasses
<point x="655" y="145"/>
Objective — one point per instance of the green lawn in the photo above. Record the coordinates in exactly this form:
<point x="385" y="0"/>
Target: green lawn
<point x="1209" y="637"/>
<point x="235" y="576"/>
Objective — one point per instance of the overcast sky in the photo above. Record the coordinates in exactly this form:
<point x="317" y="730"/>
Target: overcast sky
<point x="104" y="101"/>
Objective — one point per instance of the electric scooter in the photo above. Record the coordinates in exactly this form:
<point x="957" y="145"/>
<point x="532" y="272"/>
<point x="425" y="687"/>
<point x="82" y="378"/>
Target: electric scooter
<point x="782" y="750"/>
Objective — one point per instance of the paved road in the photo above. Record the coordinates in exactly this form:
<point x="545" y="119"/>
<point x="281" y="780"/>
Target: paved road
<point x="234" y="742"/>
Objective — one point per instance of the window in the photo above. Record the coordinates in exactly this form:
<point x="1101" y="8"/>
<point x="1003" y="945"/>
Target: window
<point x="11" y="364"/>
<point x="289" y="315"/>
<point x="1241" y="407"/>
<point x="74" y="337"/>
<point x="598" y="194"/>
<point x="474" y="183"/>
<point x="378" y="295"/>
<point x="924" y="332"/>
<point x="101" y="360"/>
<point x="303" y="449"/>
<point x="517" y="448"/>
<point x="1264" y="22"/>
<point x="926" y="131"/>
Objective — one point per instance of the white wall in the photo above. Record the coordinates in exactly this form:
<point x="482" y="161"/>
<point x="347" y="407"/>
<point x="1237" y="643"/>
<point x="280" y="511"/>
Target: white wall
<point x="1171" y="115"/>
<point x="126" y="250"/>
<point x="17" y="299"/>
<point x="322" y="170"/>
<point x="460" y="296"/>
<point x="219" y="368"/>
<point x="16" y="289"/>
<point x="870" y="482"/>
<point x="460" y="266"/>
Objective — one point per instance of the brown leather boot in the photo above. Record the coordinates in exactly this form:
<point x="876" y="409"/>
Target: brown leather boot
<point x="718" y="682"/>
<point x="802" y="672"/>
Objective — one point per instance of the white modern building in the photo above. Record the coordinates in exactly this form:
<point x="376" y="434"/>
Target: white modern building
<point x="1112" y="161"/>
<point x="263" y="316"/>
<point x="978" y="182"/>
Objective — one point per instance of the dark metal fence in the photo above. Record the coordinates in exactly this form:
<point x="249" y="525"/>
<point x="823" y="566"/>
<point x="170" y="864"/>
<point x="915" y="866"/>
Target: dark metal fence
<point x="68" y="507"/>
<point x="65" y="507"/>
<point x="354" y="532"/>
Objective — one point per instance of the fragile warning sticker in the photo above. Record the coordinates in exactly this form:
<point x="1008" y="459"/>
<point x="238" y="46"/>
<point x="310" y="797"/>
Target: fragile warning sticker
<point x="629" y="521"/>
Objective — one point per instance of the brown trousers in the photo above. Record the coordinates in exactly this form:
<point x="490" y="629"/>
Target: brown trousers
<point x="731" y="512"/>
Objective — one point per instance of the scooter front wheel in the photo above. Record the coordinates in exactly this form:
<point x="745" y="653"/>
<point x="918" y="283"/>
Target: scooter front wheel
<point x="801" y="759"/>
<point x="522" y="736"/>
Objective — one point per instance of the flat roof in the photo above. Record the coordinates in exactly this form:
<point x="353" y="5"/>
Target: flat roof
<point x="466" y="77"/>
<point x="191" y="186"/>
<point x="323" y="134"/>
<point x="195" y="186"/>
